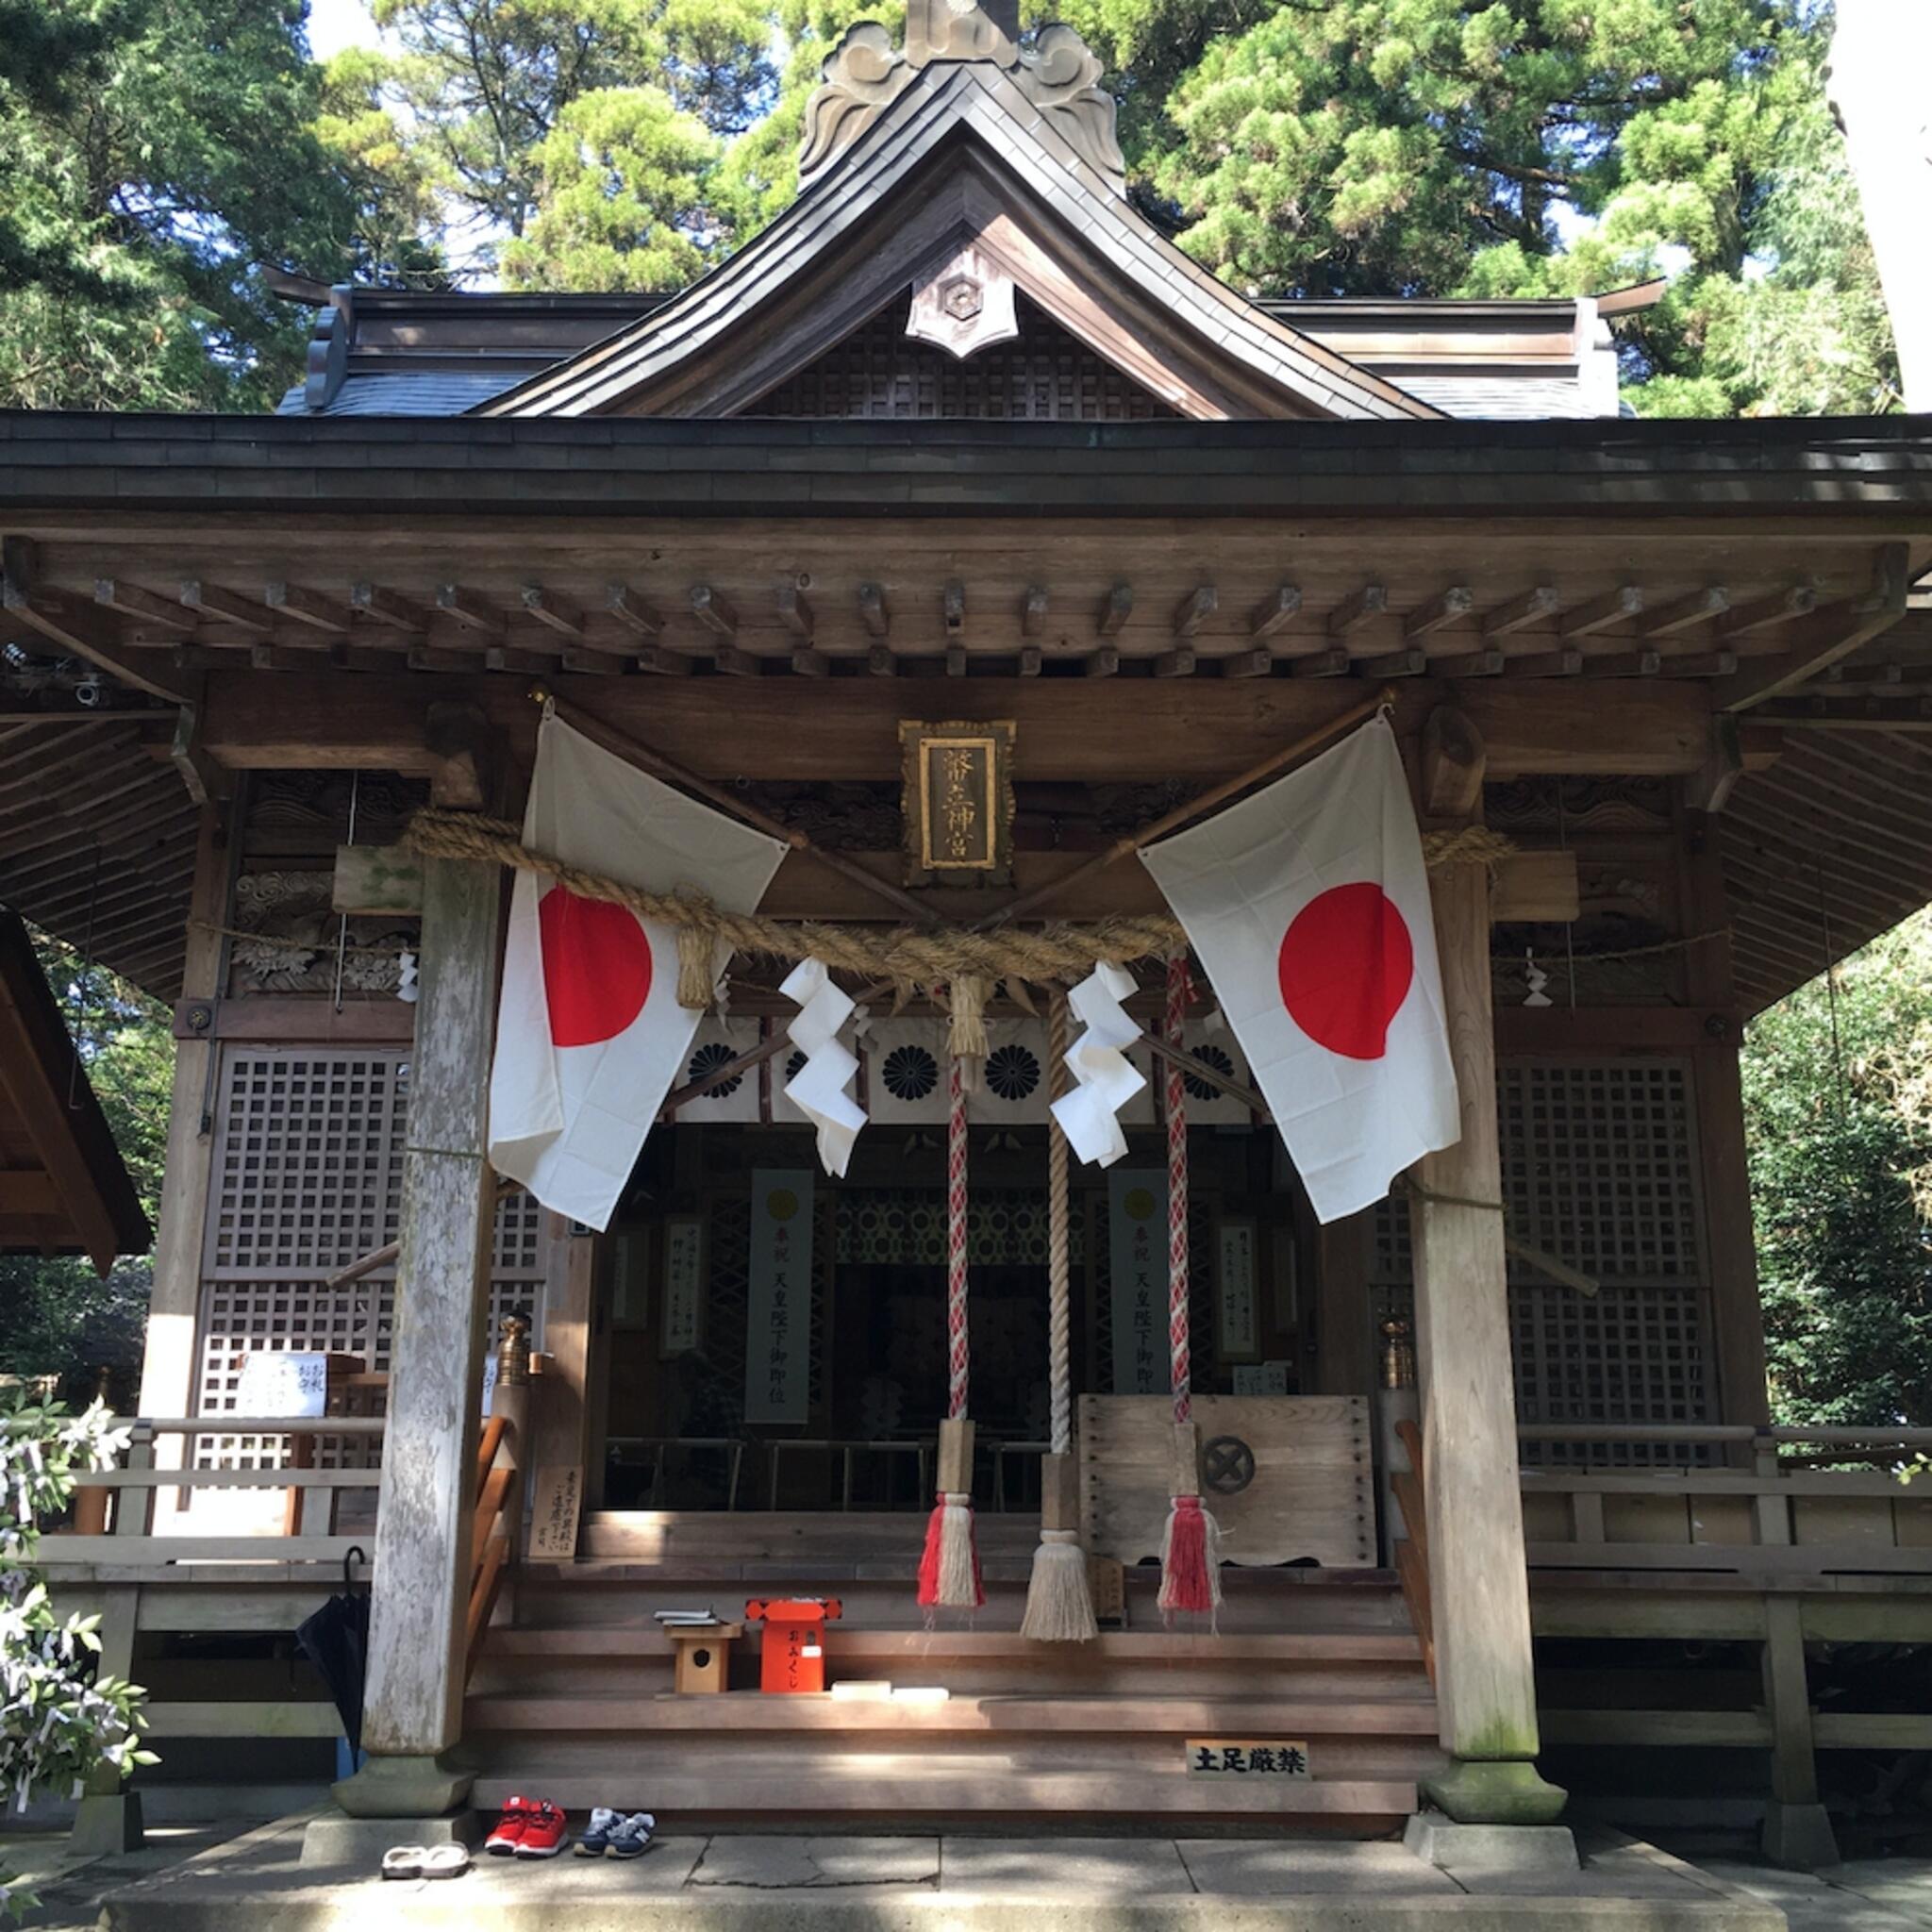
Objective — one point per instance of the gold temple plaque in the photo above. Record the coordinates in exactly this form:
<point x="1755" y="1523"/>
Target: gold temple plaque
<point x="958" y="803"/>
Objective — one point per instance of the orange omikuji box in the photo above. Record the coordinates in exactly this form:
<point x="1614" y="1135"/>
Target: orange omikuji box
<point x="793" y="1657"/>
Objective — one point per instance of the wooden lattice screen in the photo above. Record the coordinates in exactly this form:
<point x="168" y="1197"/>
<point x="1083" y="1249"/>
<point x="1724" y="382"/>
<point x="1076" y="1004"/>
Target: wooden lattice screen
<point x="307" y="1177"/>
<point x="1042" y="374"/>
<point x="1600" y="1168"/>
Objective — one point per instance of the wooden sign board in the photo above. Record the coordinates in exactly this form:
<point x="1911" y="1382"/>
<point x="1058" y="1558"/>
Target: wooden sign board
<point x="958" y="803"/>
<point x="559" y="1499"/>
<point x="1248" y="1757"/>
<point x="1312" y="1495"/>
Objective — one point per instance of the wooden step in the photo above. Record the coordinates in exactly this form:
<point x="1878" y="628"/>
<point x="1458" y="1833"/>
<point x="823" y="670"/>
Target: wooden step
<point x="1016" y="1716"/>
<point x="854" y="1648"/>
<point x="885" y="1790"/>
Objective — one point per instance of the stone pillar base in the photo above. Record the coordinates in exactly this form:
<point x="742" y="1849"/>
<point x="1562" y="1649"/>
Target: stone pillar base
<point x="334" y="1839"/>
<point x="1498" y="1792"/>
<point x="1799" y="1837"/>
<point x="106" y="1823"/>
<point x="1484" y="1849"/>
<point x="404" y="1788"/>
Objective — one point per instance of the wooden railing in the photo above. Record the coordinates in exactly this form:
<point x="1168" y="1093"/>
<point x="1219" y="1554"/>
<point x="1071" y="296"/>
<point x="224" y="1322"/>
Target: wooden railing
<point x="1411" y="1550"/>
<point x="1767" y="1513"/>
<point x="491" y="1530"/>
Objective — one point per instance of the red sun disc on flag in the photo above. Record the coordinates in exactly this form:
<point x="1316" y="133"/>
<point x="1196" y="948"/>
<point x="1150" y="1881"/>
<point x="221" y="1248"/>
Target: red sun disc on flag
<point x="596" y="967"/>
<point x="1346" y="963"/>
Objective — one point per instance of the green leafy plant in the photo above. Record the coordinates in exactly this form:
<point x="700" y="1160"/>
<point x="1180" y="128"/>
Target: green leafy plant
<point x="60" y="1719"/>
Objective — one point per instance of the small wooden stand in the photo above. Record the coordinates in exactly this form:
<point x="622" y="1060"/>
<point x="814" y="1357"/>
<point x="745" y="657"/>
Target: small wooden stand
<point x="704" y="1656"/>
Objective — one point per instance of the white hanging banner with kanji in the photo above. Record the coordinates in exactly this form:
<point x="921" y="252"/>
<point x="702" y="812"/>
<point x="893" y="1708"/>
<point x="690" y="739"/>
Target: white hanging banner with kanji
<point x="1307" y="905"/>
<point x="1137" y="1275"/>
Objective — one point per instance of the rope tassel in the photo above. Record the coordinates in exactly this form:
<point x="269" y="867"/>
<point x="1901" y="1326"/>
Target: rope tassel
<point x="949" y="1566"/>
<point x="1191" y="1548"/>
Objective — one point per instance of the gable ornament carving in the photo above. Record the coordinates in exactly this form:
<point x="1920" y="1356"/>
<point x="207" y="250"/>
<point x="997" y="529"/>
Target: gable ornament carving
<point x="866" y="72"/>
<point x="965" y="305"/>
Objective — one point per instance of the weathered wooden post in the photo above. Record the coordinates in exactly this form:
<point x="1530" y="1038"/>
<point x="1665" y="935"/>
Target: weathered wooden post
<point x="1478" y="1578"/>
<point x="420" y="1594"/>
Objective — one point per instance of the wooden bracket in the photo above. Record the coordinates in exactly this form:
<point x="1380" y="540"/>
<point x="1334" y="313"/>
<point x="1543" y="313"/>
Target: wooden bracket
<point x="1453" y="765"/>
<point x="469" y="772"/>
<point x="1708" y="787"/>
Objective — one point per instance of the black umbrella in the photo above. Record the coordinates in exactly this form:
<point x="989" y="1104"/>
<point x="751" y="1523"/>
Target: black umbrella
<point x="335" y="1639"/>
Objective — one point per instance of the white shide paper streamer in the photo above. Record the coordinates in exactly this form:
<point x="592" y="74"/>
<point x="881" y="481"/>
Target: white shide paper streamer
<point x="819" y="1092"/>
<point x="1105" y="1078"/>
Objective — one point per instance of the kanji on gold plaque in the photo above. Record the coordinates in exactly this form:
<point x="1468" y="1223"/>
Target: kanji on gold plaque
<point x="959" y="802"/>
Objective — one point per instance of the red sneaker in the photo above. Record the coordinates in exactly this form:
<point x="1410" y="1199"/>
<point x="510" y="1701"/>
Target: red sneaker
<point x="543" y="1835"/>
<point x="509" y="1834"/>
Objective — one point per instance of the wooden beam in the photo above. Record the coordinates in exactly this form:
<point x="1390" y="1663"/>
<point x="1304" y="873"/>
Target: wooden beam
<point x="302" y="606"/>
<point x="470" y="610"/>
<point x="795" y="612"/>
<point x="1699" y="607"/>
<point x="807" y="662"/>
<point x="1255" y="663"/>
<point x="1624" y="664"/>
<point x="591" y="661"/>
<point x="1652" y="728"/>
<point x="736" y="663"/>
<point x="1330" y="663"/>
<point x="467" y="771"/>
<point x="1607" y="612"/>
<point x="1563" y="663"/>
<point x="1699" y="664"/>
<point x="1766" y="613"/>
<point x="1032" y="611"/>
<point x="711" y="609"/>
<point x="1358" y="608"/>
<point x="1453" y="764"/>
<point x="882" y="661"/>
<point x="1444" y="609"/>
<point x="81" y="630"/>
<point x="1115" y="609"/>
<point x="953" y="609"/>
<point x="1193" y="610"/>
<point x="1526" y="612"/>
<point x="1030" y="660"/>
<point x="211" y="600"/>
<point x="1469" y="664"/>
<point x="1102" y="662"/>
<point x="130" y="600"/>
<point x="955" y="660"/>
<point x="664" y="662"/>
<point x="873" y="612"/>
<point x="207" y="782"/>
<point x="29" y="1191"/>
<point x="555" y="613"/>
<point x="384" y="607"/>
<point x="1274" y="612"/>
<point x="1708" y="787"/>
<point x="1394" y="664"/>
<point x="1178" y="662"/>
<point x="1829" y="633"/>
<point x="635" y="613"/>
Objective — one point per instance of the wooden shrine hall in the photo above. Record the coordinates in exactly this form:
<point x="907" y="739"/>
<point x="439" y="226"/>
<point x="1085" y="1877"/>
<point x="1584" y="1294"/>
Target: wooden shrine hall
<point x="960" y="449"/>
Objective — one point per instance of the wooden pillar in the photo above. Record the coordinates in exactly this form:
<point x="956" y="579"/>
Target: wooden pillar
<point x="414" y="1703"/>
<point x="1344" y="1362"/>
<point x="1478" y="1579"/>
<point x="168" y="1361"/>
<point x="560" y="1432"/>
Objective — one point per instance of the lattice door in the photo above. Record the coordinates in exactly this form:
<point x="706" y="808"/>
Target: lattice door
<point x="308" y="1176"/>
<point x="1600" y="1168"/>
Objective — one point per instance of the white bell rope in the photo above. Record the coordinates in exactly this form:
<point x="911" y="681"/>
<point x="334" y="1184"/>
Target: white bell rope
<point x="818" y="1090"/>
<point x="1105" y="1079"/>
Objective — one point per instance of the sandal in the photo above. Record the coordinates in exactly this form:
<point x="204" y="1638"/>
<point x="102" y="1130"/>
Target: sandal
<point x="404" y="1862"/>
<point x="445" y="1861"/>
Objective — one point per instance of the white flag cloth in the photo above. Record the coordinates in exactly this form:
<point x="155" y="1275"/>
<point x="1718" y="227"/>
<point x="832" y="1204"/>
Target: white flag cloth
<point x="589" y="1035"/>
<point x="818" y="1088"/>
<point x="1308" y="907"/>
<point x="1104" y="1077"/>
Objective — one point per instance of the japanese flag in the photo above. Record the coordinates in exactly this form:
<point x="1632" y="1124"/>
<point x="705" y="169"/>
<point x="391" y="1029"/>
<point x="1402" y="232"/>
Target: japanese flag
<point x="1308" y="907"/>
<point x="589" y="1035"/>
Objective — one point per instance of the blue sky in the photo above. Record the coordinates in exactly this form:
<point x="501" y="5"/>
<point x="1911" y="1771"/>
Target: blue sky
<point x="334" y="24"/>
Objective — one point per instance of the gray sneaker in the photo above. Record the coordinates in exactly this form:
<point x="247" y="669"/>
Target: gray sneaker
<point x="631" y="1837"/>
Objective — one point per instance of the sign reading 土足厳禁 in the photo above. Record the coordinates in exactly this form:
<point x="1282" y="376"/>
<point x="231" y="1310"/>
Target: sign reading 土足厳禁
<point x="777" y="1323"/>
<point x="1247" y="1757"/>
<point x="958" y="803"/>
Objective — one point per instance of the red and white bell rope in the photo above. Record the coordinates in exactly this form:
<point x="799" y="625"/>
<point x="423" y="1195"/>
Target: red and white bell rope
<point x="949" y="1569"/>
<point x="1190" y="1549"/>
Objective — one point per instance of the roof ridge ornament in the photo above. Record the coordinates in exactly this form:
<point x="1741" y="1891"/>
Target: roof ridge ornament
<point x="866" y="72"/>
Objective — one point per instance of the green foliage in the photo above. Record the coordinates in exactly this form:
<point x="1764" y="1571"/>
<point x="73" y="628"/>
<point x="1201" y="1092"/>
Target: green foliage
<point x="61" y="1720"/>
<point x="58" y="1317"/>
<point x="1841" y="1153"/>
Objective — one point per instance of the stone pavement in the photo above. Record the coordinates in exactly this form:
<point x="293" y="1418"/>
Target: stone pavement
<point x="211" y="1879"/>
<point x="691" y="1882"/>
